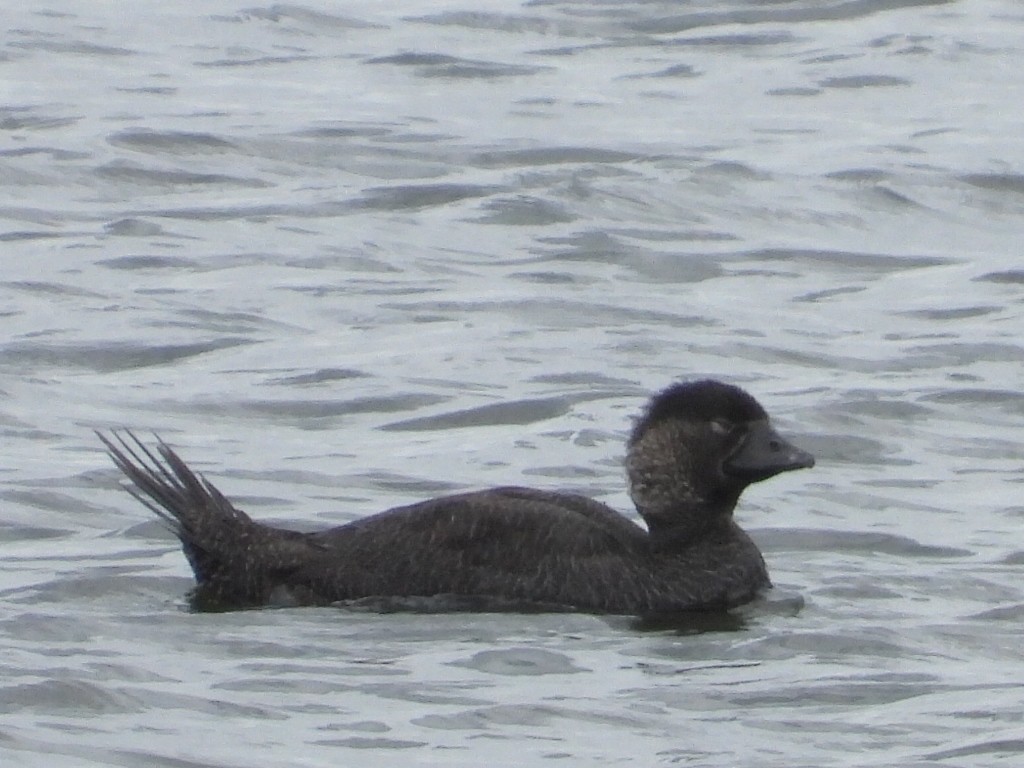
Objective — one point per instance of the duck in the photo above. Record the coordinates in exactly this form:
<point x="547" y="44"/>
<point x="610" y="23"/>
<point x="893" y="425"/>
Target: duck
<point x="696" y="446"/>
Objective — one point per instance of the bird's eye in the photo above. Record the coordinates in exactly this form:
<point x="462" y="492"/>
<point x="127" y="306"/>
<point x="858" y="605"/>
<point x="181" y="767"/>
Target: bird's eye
<point x="721" y="426"/>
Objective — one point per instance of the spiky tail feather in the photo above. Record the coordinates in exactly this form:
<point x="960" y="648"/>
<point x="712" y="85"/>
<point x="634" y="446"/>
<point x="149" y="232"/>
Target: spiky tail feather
<point x="237" y="562"/>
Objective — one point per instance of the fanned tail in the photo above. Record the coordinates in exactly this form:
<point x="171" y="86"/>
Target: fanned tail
<point x="237" y="562"/>
<point x="183" y="499"/>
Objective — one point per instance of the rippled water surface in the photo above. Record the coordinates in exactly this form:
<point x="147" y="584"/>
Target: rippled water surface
<point x="348" y="256"/>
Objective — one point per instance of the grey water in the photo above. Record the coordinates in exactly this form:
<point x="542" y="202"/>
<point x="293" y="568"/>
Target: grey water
<point x="345" y="256"/>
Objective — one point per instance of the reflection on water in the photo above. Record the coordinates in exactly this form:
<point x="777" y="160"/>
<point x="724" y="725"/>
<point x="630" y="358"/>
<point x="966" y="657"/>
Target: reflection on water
<point x="350" y="258"/>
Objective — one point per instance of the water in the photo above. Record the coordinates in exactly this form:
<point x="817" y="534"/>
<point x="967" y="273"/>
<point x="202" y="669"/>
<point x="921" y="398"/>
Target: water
<point x="344" y="258"/>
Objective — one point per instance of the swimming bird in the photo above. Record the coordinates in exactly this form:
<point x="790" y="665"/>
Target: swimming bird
<point x="694" y="449"/>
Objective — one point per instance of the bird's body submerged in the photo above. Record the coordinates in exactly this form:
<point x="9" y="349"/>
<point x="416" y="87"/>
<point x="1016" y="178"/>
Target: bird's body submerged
<point x="690" y="456"/>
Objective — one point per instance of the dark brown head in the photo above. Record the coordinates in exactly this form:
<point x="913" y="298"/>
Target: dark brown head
<point x="695" y="448"/>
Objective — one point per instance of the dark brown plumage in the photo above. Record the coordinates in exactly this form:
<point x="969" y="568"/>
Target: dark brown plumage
<point x="690" y="455"/>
